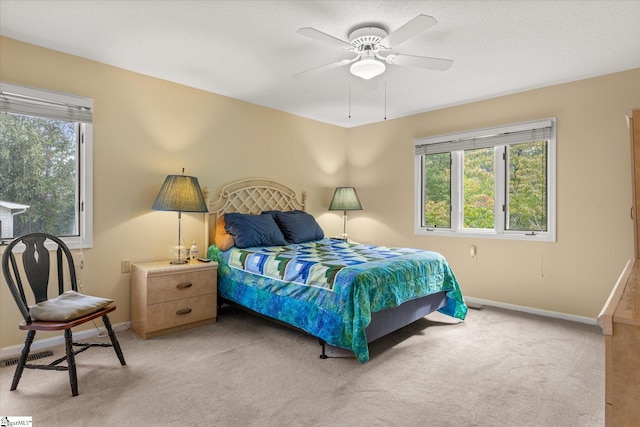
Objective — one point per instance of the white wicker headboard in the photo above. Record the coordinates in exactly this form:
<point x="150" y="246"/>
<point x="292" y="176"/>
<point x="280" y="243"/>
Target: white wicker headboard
<point x="250" y="195"/>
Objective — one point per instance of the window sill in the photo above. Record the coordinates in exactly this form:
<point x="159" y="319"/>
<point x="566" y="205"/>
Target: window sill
<point x="538" y="237"/>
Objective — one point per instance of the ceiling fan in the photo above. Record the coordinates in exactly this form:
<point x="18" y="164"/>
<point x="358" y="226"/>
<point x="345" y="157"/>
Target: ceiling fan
<point x="372" y="45"/>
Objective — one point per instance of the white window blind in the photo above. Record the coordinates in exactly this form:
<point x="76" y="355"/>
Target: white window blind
<point x="485" y="138"/>
<point x="28" y="101"/>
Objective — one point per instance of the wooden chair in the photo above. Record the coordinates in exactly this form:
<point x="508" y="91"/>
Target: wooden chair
<point x="64" y="312"/>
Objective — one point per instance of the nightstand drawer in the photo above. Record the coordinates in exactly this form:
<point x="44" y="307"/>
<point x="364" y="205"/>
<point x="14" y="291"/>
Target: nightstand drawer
<point x="180" y="312"/>
<point x="170" y="287"/>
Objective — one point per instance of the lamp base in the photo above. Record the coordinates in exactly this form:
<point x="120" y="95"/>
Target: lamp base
<point x="178" y="254"/>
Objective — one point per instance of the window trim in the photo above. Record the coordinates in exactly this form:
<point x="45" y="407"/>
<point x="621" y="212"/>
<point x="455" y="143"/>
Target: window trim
<point x="45" y="103"/>
<point x="464" y="141"/>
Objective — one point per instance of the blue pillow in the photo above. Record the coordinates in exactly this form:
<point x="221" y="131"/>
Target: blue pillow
<point x="253" y="230"/>
<point x="298" y="226"/>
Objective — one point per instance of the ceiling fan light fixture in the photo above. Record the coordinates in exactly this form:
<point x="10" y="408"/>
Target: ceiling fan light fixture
<point x="367" y="68"/>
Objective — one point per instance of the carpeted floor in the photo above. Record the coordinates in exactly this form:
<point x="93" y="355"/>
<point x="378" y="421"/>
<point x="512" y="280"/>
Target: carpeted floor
<point x="498" y="368"/>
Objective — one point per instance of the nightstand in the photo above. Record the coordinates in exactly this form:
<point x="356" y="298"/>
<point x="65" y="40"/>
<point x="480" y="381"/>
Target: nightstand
<point x="167" y="298"/>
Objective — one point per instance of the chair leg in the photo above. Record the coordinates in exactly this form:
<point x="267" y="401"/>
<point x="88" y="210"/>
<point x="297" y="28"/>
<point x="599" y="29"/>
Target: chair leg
<point x="71" y="361"/>
<point x="114" y="339"/>
<point x="23" y="359"/>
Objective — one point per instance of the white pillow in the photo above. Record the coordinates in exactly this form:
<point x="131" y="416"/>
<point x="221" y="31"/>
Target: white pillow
<point x="68" y="306"/>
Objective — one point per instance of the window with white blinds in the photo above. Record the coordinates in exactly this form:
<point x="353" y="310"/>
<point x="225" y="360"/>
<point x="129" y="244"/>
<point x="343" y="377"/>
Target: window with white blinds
<point x="42" y="103"/>
<point x="46" y="145"/>
<point x="496" y="182"/>
<point x="485" y="138"/>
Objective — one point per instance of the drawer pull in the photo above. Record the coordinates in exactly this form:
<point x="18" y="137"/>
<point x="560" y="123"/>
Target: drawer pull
<point x="183" y="285"/>
<point x="183" y="311"/>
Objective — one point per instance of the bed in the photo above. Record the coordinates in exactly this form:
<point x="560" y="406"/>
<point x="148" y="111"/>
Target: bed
<point x="274" y="260"/>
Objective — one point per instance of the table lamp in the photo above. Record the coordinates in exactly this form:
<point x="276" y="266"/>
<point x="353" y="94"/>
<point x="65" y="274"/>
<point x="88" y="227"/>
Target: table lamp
<point x="345" y="199"/>
<point x="180" y="193"/>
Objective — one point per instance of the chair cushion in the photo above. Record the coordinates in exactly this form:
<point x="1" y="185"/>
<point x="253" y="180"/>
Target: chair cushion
<point x="68" y="306"/>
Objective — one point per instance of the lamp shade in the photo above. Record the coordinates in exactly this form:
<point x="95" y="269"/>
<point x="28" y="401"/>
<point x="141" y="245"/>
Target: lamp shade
<point x="345" y="199"/>
<point x="180" y="193"/>
<point x="367" y="68"/>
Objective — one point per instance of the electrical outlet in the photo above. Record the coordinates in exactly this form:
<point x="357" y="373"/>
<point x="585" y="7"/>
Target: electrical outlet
<point x="125" y="266"/>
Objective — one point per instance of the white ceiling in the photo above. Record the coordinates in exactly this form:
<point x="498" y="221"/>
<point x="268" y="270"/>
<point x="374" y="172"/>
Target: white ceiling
<point x="249" y="50"/>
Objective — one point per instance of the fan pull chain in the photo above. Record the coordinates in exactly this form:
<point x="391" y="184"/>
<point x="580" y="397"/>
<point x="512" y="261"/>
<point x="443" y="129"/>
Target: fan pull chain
<point x="349" y="97"/>
<point x="385" y="100"/>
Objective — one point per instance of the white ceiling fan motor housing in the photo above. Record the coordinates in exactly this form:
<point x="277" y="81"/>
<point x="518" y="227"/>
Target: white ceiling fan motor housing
<point x="366" y="44"/>
<point x="366" y="36"/>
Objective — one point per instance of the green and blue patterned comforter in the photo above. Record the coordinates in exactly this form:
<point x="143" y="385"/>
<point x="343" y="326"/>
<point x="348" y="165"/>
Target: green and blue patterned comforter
<point x="329" y="288"/>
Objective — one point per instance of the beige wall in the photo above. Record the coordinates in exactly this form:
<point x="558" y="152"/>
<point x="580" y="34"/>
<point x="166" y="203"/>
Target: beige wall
<point x="594" y="231"/>
<point x="146" y="128"/>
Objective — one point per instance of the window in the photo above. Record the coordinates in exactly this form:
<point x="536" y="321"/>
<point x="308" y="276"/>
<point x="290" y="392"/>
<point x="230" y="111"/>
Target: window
<point x="497" y="182"/>
<point x="45" y="164"/>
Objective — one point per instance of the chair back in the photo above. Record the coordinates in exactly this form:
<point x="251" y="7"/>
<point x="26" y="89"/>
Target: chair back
<point x="36" y="262"/>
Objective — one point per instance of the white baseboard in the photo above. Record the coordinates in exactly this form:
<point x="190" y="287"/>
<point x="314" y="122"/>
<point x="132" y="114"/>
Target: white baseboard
<point x="45" y="343"/>
<point x="530" y="310"/>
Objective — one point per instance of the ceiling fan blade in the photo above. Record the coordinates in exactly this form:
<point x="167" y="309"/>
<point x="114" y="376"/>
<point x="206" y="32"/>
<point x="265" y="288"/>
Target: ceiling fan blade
<point x="411" y="29"/>
<point x="323" y="68"/>
<point x="438" y="64"/>
<point x="324" y="38"/>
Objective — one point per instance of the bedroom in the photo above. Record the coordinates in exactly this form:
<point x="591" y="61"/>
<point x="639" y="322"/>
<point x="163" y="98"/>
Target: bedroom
<point x="147" y="128"/>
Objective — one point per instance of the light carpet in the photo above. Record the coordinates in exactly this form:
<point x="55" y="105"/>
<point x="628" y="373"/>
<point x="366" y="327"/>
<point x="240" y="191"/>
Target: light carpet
<point x="497" y="368"/>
